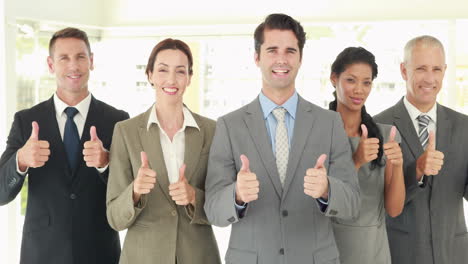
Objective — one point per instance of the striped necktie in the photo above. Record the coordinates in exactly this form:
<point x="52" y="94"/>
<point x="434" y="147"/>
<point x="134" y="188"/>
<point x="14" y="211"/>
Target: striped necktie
<point x="423" y="121"/>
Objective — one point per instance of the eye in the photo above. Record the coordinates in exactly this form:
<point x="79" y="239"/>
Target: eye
<point x="367" y="83"/>
<point x="350" y="80"/>
<point x="181" y="72"/>
<point x="162" y="70"/>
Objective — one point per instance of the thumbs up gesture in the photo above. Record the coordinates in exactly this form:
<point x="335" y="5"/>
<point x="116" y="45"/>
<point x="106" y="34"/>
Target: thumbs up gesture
<point x="94" y="153"/>
<point x="392" y="149"/>
<point x="182" y="192"/>
<point x="247" y="185"/>
<point x="316" y="180"/>
<point x="431" y="161"/>
<point x="145" y="180"/>
<point x="367" y="150"/>
<point x="35" y="153"/>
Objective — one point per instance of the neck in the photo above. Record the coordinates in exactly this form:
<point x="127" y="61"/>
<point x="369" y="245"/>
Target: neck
<point x="170" y="116"/>
<point x="278" y="96"/>
<point x="71" y="99"/>
<point x="351" y="120"/>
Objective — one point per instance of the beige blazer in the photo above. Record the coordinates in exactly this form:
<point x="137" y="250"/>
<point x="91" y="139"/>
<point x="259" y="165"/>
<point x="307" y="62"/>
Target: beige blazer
<point x="159" y="231"/>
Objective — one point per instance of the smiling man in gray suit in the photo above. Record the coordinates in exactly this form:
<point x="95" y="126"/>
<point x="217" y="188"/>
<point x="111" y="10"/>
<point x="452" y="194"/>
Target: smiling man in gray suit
<point x="280" y="166"/>
<point x="431" y="229"/>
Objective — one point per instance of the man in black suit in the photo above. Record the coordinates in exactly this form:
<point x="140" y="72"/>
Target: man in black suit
<point x="60" y="144"/>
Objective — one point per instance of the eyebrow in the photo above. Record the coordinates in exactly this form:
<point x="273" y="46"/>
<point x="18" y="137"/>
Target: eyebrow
<point x="178" y="66"/>
<point x="367" y="78"/>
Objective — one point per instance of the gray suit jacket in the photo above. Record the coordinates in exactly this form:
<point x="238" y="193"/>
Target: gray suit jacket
<point x="159" y="231"/>
<point x="432" y="227"/>
<point x="284" y="225"/>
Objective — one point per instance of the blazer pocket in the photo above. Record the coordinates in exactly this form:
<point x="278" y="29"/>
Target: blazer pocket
<point x="36" y="224"/>
<point x="240" y="256"/>
<point x="328" y="255"/>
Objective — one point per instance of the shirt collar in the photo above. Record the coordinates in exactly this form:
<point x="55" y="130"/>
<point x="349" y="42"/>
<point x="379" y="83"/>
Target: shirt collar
<point x="82" y="107"/>
<point x="188" y="119"/>
<point x="267" y="105"/>
<point x="414" y="112"/>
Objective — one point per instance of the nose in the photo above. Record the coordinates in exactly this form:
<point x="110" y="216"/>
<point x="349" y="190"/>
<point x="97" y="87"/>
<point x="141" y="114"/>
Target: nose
<point x="429" y="77"/>
<point x="172" y="77"/>
<point x="358" y="89"/>
<point x="281" y="58"/>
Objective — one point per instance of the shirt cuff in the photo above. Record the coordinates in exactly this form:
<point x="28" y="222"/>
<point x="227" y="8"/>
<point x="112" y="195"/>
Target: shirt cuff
<point x="322" y="201"/>
<point x="239" y="207"/>
<point x="22" y="173"/>
<point x="422" y="181"/>
<point x="103" y="169"/>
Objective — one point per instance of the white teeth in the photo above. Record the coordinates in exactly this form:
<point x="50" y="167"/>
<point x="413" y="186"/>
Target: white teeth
<point x="280" y="71"/>
<point x="74" y="76"/>
<point x="170" y="90"/>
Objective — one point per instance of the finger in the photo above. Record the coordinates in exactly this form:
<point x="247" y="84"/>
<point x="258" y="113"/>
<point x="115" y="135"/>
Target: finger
<point x="35" y="131"/>
<point x="144" y="160"/>
<point x="147" y="172"/>
<point x="182" y="173"/>
<point x="372" y="141"/>
<point x="392" y="134"/>
<point x="93" y="133"/>
<point x="90" y="144"/>
<point x="364" y="132"/>
<point x="245" y="163"/>
<point x="320" y="161"/>
<point x="43" y="144"/>
<point x="431" y="144"/>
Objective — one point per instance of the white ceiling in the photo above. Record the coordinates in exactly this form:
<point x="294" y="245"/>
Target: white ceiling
<point x="150" y="13"/>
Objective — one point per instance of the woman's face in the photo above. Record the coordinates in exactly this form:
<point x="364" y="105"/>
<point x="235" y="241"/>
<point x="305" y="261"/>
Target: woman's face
<point x="353" y="86"/>
<point x="170" y="76"/>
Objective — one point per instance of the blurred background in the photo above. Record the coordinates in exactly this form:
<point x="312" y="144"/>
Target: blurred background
<point x="220" y="34"/>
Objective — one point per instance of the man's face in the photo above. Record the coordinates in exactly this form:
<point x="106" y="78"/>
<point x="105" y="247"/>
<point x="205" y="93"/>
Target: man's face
<point x="71" y="63"/>
<point x="279" y="59"/>
<point x="424" y="73"/>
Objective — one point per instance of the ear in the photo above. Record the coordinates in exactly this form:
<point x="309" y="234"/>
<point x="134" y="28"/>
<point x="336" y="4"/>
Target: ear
<point x="91" y="60"/>
<point x="403" y="71"/>
<point x="189" y="80"/>
<point x="257" y="58"/>
<point x="50" y="64"/>
<point x="333" y="79"/>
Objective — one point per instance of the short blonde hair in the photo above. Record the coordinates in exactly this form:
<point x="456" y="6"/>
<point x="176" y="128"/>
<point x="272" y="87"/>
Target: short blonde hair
<point x="425" y="40"/>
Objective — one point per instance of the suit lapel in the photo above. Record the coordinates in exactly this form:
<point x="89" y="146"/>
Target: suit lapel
<point x="151" y="144"/>
<point x="49" y="130"/>
<point x="302" y="129"/>
<point x="406" y="128"/>
<point x="256" y="126"/>
<point x="193" y="145"/>
<point x="443" y="139"/>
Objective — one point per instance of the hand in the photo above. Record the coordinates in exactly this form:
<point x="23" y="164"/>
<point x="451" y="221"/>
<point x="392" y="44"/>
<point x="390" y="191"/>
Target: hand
<point x="94" y="153"/>
<point x="367" y="150"/>
<point x="316" y="180"/>
<point x="431" y="161"/>
<point x="35" y="153"/>
<point x="247" y="185"/>
<point x="392" y="149"/>
<point x="182" y="192"/>
<point x="145" y="180"/>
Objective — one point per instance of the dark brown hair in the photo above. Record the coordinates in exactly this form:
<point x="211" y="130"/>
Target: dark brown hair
<point x="173" y="44"/>
<point x="281" y="22"/>
<point x="69" y="33"/>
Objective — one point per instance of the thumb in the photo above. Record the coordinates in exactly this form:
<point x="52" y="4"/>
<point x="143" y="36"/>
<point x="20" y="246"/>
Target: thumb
<point x="144" y="160"/>
<point x="35" y="131"/>
<point x="320" y="161"/>
<point x="245" y="163"/>
<point x="182" y="173"/>
<point x="364" y="131"/>
<point x="431" y="144"/>
<point x="93" y="133"/>
<point x="392" y="134"/>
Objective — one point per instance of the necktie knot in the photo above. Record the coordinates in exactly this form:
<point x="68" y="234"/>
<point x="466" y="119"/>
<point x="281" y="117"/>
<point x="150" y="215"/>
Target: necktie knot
<point x="423" y="120"/>
<point x="279" y="113"/>
<point x="71" y="112"/>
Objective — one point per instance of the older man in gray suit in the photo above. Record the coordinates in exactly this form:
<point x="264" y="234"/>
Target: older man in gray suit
<point x="431" y="229"/>
<point x="280" y="166"/>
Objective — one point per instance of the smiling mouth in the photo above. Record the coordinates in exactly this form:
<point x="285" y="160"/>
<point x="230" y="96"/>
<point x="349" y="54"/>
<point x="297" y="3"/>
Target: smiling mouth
<point x="356" y="100"/>
<point x="170" y="90"/>
<point x="74" y="77"/>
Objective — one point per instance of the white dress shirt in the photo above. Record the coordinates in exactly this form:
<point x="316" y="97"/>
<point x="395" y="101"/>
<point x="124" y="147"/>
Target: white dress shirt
<point x="173" y="151"/>
<point x="414" y="113"/>
<point x="61" y="116"/>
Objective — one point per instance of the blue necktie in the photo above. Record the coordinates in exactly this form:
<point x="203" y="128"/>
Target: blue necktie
<point x="71" y="138"/>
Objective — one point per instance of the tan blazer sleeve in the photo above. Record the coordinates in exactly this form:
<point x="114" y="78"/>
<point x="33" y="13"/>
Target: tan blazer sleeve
<point x="121" y="212"/>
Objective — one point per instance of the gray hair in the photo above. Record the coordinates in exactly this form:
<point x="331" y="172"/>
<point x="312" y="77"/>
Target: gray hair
<point x="425" y="41"/>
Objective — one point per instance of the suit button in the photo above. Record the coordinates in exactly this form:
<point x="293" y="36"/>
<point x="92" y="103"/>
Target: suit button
<point x="281" y="251"/>
<point x="73" y="196"/>
<point x="174" y="213"/>
<point x="285" y="213"/>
